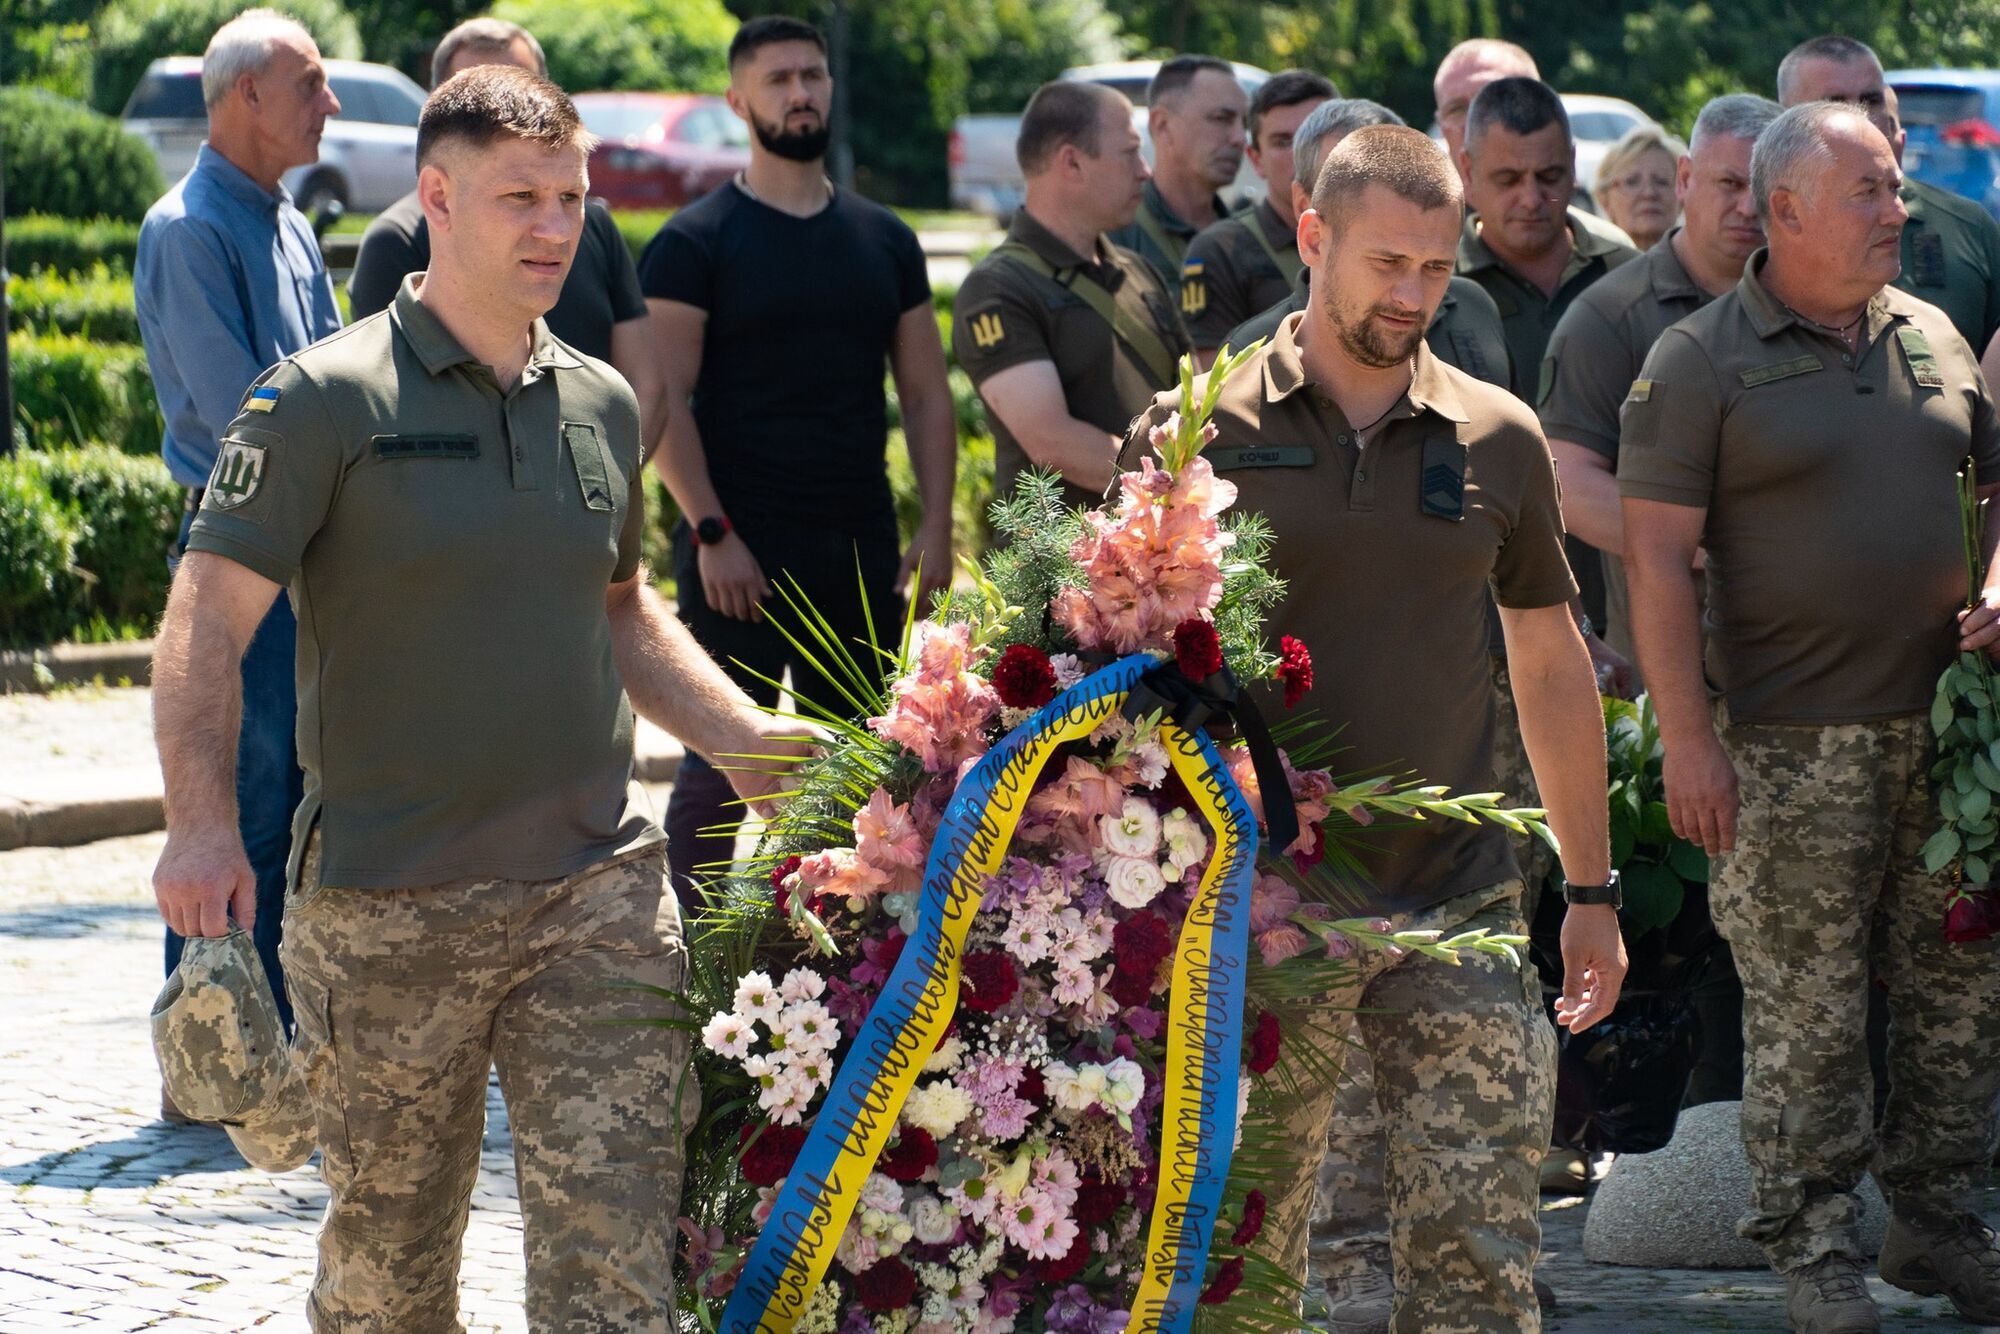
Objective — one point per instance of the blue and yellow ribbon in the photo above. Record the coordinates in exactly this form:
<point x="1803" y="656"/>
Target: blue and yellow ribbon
<point x="1205" y="1009"/>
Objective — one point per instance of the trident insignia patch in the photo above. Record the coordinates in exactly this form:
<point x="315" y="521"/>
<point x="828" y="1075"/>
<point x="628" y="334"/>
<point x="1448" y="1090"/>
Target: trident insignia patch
<point x="1194" y="289"/>
<point x="239" y="471"/>
<point x="987" y="331"/>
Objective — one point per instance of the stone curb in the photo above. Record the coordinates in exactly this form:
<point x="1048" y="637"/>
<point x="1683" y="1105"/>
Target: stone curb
<point x="41" y="669"/>
<point x="59" y="824"/>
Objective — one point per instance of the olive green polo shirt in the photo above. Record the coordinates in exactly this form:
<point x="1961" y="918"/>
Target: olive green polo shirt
<point x="448" y="545"/>
<point x="1161" y="237"/>
<point x="1389" y="550"/>
<point x="1594" y="355"/>
<point x="1238" y="267"/>
<point x="1464" y="333"/>
<point x="1830" y="485"/>
<point x="1007" y="315"/>
<point x="1951" y="258"/>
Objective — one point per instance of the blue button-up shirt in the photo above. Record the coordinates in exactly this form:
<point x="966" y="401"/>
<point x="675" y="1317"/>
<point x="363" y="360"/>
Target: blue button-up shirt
<point x="229" y="281"/>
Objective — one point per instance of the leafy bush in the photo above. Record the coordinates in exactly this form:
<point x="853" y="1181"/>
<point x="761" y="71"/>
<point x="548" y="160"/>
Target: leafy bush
<point x="131" y="34"/>
<point x="971" y="528"/>
<point x="646" y="45"/>
<point x="43" y="243"/>
<point x="63" y="158"/>
<point x="68" y="390"/>
<point x="96" y="305"/>
<point x="38" y="583"/>
<point x="127" y="509"/>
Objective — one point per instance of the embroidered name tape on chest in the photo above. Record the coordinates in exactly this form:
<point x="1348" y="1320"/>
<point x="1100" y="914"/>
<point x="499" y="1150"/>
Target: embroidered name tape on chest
<point x="426" y="446"/>
<point x="1782" y="370"/>
<point x="1260" y="456"/>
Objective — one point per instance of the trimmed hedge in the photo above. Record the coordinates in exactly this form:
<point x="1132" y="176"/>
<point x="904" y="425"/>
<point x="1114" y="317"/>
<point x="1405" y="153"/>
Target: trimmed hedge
<point x="41" y="243"/>
<point x="97" y="305"/>
<point x="63" y="158"/>
<point x="71" y="391"/>
<point x="86" y="531"/>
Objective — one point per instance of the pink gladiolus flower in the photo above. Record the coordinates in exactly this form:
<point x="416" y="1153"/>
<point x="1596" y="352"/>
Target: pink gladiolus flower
<point x="1152" y="563"/>
<point x="887" y="844"/>
<point x="941" y="709"/>
<point x="1272" y="902"/>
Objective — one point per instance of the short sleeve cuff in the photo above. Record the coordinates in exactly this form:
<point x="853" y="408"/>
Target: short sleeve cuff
<point x="1592" y="439"/>
<point x="989" y="366"/>
<point x="1536" y="597"/>
<point x="1667" y="494"/>
<point x="255" y="558"/>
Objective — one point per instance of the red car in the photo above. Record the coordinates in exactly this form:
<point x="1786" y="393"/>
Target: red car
<point x="661" y="150"/>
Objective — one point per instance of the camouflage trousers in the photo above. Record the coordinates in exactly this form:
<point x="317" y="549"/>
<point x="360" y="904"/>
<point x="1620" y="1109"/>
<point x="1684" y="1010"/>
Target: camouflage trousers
<point x="1825" y="894"/>
<point x="1463" y="1072"/>
<point x="1350" y="1212"/>
<point x="405" y="998"/>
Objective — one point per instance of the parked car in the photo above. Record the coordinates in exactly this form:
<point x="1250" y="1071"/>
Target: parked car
<point x="661" y="150"/>
<point x="985" y="178"/>
<point x="1953" y="120"/>
<point x="1596" y="123"/>
<point x="367" y="157"/>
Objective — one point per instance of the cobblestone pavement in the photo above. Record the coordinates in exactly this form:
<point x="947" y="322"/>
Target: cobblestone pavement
<point x="111" y="1220"/>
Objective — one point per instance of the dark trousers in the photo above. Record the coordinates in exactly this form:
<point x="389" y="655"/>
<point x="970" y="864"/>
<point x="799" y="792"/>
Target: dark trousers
<point x="269" y="785"/>
<point x="845" y="580"/>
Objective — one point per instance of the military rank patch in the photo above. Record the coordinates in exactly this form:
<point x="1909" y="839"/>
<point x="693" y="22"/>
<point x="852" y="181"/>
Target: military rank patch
<point x="262" y="399"/>
<point x="1194" y="288"/>
<point x="239" y="471"/>
<point x="986" y="329"/>
<point x="1917" y="352"/>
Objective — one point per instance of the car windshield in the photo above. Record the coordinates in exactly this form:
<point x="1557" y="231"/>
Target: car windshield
<point x="1937" y="103"/>
<point x="621" y="120"/>
<point x="1599" y="126"/>
<point x="167" y="97"/>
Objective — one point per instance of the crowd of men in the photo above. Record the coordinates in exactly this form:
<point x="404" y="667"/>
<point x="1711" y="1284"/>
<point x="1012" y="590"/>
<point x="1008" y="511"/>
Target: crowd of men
<point x="412" y="551"/>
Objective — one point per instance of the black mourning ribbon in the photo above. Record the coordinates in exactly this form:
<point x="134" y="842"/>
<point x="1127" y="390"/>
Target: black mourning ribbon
<point x="1191" y="704"/>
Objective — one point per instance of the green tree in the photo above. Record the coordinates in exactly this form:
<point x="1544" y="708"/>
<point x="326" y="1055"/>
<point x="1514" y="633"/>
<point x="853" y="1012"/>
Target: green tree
<point x="130" y="34"/>
<point x="646" y="45"/>
<point x="65" y="159"/>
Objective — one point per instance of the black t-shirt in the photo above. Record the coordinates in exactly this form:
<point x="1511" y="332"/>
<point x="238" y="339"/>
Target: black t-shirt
<point x="602" y="288"/>
<point x="802" y="314"/>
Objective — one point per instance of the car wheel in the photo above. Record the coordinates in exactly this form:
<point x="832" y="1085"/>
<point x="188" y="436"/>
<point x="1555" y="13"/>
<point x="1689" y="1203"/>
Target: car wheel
<point x="321" y="188"/>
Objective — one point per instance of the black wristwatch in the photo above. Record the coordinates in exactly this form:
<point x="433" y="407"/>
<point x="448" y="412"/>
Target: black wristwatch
<point x="1611" y="891"/>
<point x="711" y="530"/>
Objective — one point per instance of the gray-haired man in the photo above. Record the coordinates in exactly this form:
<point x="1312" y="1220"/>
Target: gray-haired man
<point x="1805" y="431"/>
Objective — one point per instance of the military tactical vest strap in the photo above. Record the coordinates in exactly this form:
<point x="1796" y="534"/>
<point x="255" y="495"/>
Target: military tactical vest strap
<point x="1173" y="247"/>
<point x="1133" y="331"/>
<point x="1287" y="260"/>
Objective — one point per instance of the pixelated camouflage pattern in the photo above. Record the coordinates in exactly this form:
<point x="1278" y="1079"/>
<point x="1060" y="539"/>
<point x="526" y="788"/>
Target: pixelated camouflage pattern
<point x="1464" y="1075"/>
<point x="1825" y="893"/>
<point x="223" y="1055"/>
<point x="404" y="999"/>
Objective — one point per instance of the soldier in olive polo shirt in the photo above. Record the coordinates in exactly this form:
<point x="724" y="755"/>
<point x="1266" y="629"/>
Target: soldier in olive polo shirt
<point x="1250" y="262"/>
<point x="1401" y="491"/>
<point x="1065" y="335"/>
<point x="453" y="497"/>
<point x="1603" y="338"/>
<point x="1805" y="430"/>
<point x="1194" y="111"/>
<point x="1951" y="246"/>
<point x="1464" y="333"/>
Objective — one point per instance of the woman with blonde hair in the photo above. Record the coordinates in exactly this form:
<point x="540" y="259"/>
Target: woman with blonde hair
<point x="1635" y="183"/>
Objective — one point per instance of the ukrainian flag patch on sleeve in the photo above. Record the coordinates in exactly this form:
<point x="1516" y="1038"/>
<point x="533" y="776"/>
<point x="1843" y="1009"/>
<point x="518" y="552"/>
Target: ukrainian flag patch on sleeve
<point x="262" y="399"/>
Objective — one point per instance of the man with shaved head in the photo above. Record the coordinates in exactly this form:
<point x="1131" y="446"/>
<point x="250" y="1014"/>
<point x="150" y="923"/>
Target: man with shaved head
<point x="1806" y="431"/>
<point x="1365" y="452"/>
<point x="1467" y="68"/>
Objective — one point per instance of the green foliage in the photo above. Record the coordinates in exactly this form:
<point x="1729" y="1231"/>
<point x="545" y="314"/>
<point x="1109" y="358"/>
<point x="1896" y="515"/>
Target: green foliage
<point x="1655" y="865"/>
<point x="647" y="45"/>
<point x="131" y="34"/>
<point x="1965" y="716"/>
<point x="86" y="532"/>
<point x="96" y="305"/>
<point x="43" y="242"/>
<point x="1033" y="564"/>
<point x="65" y="159"/>
<point x="970" y="492"/>
<point x="68" y="390"/>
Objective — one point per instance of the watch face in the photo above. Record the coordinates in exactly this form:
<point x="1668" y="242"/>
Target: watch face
<point x="710" y="531"/>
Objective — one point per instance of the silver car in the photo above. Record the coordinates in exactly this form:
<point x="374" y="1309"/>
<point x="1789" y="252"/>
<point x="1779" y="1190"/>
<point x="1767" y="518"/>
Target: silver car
<point x="367" y="157"/>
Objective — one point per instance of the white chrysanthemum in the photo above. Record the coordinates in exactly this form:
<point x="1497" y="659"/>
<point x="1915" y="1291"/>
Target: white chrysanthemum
<point x="1133" y="832"/>
<point x="937" y="1107"/>
<point x="945" y="1059"/>
<point x="802" y="984"/>
<point x="729" y="1035"/>
<point x="756" y="998"/>
<point x="1133" y="882"/>
<point x="807" y="1026"/>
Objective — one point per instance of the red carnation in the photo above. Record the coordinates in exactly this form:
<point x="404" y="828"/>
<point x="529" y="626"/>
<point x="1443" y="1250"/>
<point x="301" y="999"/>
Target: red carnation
<point x="889" y="1285"/>
<point x="1097" y="1201"/>
<point x="987" y="981"/>
<point x="913" y="1154"/>
<point x="778" y="875"/>
<point x="1972" y="916"/>
<point x="766" y="1162"/>
<point x="1130" y="989"/>
<point x="1066" y="1267"/>
<point x="1295" y="669"/>
<point x="1253" y="1219"/>
<point x="1024" y="677"/>
<point x="1227" y="1280"/>
<point x="1140" y="942"/>
<point x="1197" y="650"/>
<point x="1264" y="1043"/>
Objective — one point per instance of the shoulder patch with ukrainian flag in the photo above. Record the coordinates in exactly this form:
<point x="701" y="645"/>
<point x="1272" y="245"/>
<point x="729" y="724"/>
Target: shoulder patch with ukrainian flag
<point x="263" y="398"/>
